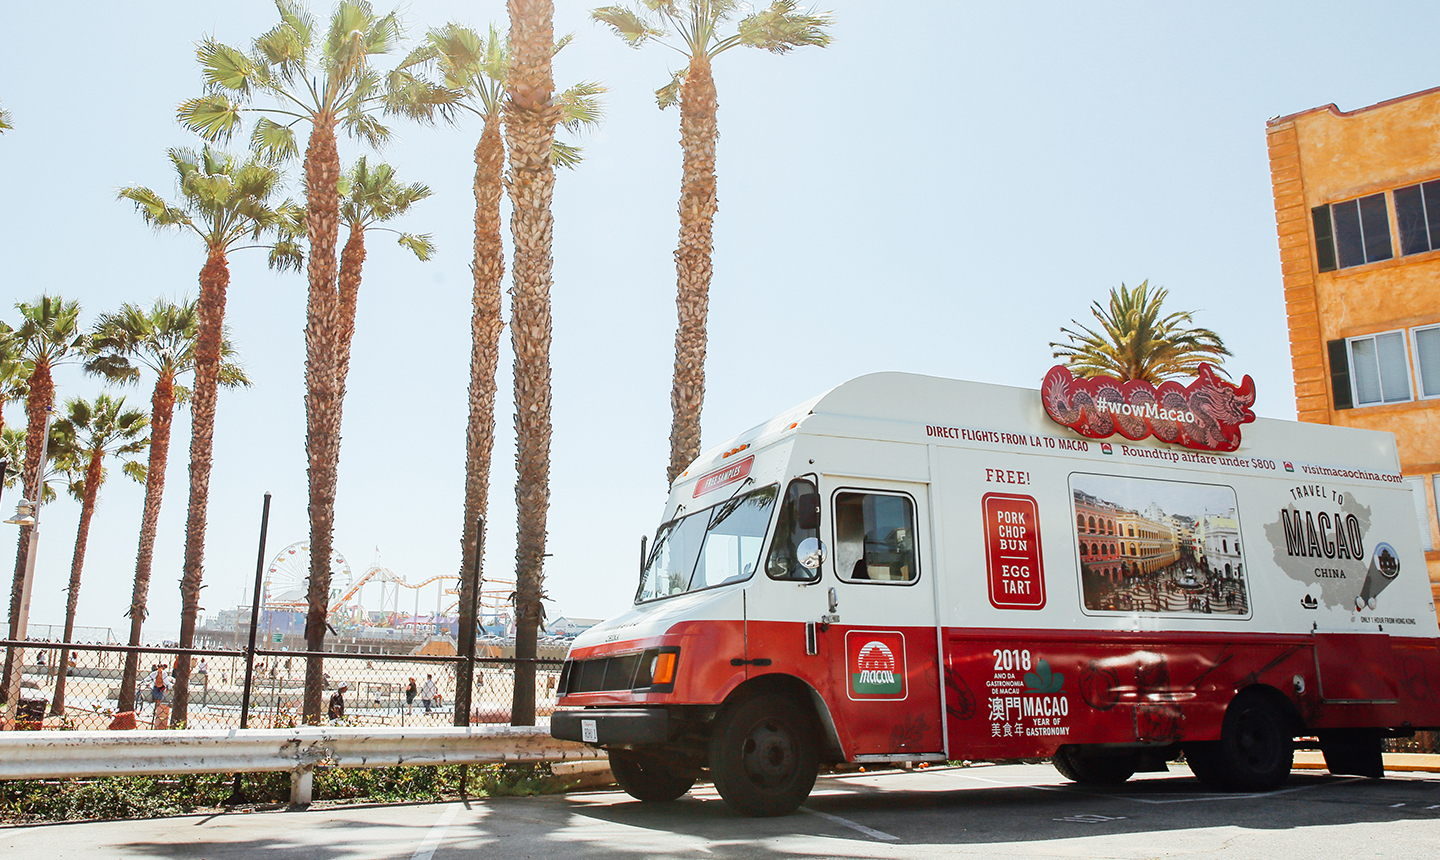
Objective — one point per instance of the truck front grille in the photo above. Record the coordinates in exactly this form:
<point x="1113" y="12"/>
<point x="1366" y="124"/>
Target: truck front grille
<point x="614" y="672"/>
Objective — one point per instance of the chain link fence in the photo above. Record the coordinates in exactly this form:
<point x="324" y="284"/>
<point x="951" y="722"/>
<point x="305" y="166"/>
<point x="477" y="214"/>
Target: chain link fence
<point x="378" y="689"/>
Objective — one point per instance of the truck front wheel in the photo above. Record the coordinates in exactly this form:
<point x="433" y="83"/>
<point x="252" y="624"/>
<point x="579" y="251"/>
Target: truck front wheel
<point x="649" y="778"/>
<point x="763" y="756"/>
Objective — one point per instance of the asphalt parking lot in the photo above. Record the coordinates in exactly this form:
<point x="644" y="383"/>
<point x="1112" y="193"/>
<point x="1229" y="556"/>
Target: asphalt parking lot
<point x="998" y="811"/>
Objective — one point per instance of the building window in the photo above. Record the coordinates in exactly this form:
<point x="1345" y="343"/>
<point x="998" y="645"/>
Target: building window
<point x="1425" y="342"/>
<point x="1417" y="214"/>
<point x="1351" y="233"/>
<point x="1379" y="368"/>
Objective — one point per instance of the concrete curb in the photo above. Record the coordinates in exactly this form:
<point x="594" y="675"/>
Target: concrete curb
<point x="1398" y="762"/>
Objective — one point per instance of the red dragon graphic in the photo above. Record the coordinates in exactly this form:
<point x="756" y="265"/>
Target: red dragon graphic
<point x="1206" y="415"/>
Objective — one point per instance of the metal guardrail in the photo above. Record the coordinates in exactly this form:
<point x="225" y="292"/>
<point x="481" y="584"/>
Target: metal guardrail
<point x="52" y="755"/>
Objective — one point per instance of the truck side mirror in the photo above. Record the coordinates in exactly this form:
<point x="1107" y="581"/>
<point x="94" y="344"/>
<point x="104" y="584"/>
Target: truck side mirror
<point x="807" y="511"/>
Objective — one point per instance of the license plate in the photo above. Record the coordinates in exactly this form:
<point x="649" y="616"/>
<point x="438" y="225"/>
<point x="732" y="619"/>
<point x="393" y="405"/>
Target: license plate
<point x="588" y="732"/>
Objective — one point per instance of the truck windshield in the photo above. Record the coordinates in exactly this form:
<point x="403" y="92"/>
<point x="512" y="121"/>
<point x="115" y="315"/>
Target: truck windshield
<point x="709" y="547"/>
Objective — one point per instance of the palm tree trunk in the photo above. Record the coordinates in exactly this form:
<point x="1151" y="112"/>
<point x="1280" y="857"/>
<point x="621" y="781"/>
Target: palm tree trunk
<point x="322" y="394"/>
<point x="698" y="204"/>
<point x="214" y="281"/>
<point x="162" y="412"/>
<point x="486" y="324"/>
<point x="352" y="262"/>
<point x="530" y="119"/>
<point x="37" y="409"/>
<point x="93" y="476"/>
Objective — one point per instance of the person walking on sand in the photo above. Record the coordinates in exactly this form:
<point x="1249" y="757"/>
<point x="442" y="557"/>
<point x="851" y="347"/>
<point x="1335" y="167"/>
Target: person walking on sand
<point x="410" y="693"/>
<point x="157" y="686"/>
<point x="336" y="711"/>
<point x="428" y="692"/>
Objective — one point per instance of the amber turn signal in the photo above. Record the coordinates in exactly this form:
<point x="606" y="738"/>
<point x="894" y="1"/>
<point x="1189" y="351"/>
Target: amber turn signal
<point x="662" y="668"/>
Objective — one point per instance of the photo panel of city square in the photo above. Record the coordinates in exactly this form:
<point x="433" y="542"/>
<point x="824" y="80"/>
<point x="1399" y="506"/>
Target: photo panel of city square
<point x="1158" y="546"/>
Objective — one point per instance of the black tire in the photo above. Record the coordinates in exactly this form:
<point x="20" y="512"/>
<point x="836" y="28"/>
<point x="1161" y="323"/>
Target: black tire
<point x="1086" y="767"/>
<point x="763" y="756"/>
<point x="1204" y="761"/>
<point x="1354" y="752"/>
<point x="1256" y="748"/>
<point x="649" y="778"/>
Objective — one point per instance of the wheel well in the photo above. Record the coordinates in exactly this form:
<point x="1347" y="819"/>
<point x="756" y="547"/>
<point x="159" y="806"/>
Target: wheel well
<point x="1279" y="701"/>
<point x="800" y="692"/>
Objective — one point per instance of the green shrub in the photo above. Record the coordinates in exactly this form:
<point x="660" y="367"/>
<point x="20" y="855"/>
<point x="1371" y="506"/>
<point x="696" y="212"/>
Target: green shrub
<point x="111" y="797"/>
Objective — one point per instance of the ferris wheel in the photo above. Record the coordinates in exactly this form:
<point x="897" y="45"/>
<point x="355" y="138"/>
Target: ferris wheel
<point x="287" y="579"/>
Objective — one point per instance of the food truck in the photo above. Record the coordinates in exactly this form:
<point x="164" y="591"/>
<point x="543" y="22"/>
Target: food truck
<point x="914" y="569"/>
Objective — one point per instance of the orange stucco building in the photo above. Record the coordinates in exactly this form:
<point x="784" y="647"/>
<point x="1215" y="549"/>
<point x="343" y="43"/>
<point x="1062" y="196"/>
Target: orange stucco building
<point x="1357" y="210"/>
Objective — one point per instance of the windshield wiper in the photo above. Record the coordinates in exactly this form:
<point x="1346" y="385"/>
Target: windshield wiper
<point x="722" y="511"/>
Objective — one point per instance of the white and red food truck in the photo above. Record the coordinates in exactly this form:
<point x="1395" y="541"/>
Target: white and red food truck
<point x="914" y="569"/>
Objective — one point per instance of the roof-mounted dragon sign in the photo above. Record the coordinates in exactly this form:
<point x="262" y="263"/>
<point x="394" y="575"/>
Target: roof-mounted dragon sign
<point x="1205" y="415"/>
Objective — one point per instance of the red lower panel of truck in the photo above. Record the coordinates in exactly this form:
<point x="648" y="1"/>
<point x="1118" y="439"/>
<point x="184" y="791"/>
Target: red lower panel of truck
<point x="1022" y="693"/>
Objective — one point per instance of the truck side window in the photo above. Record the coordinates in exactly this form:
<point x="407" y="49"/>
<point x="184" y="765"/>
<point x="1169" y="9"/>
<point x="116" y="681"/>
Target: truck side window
<point x="875" y="537"/>
<point x="783" y="561"/>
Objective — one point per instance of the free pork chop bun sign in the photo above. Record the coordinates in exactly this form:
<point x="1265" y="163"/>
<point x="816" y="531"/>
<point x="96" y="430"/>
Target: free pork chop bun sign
<point x="1205" y="415"/>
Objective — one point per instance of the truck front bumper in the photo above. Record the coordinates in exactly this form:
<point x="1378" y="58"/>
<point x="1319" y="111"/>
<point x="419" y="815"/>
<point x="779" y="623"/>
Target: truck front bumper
<point x="603" y="726"/>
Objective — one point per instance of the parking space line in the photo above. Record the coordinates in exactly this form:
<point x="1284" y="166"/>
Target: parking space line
<point x="1204" y="798"/>
<point x="1195" y="798"/>
<point x="426" y="849"/>
<point x="845" y="822"/>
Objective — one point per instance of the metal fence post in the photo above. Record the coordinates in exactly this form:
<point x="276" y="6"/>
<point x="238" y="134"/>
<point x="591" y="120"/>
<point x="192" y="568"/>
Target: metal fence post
<point x="254" y="617"/>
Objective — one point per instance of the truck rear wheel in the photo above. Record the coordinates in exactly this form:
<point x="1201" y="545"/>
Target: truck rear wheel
<point x="763" y="756"/>
<point x="1255" y="750"/>
<point x="1088" y="767"/>
<point x="649" y="778"/>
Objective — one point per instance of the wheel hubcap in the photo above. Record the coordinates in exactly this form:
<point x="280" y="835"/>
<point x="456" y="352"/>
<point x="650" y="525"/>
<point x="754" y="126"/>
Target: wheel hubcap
<point x="1256" y="742"/>
<point x="768" y="754"/>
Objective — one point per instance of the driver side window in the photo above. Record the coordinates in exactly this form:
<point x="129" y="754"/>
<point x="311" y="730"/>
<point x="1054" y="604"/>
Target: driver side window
<point x="798" y="521"/>
<point x="875" y="537"/>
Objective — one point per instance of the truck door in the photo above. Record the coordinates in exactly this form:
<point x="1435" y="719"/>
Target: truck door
<point x="882" y="627"/>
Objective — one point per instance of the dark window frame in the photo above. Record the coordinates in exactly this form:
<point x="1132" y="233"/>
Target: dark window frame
<point x="1351" y="233"/>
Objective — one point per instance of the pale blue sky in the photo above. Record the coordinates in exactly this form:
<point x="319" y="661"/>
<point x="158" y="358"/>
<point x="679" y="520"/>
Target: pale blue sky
<point x="939" y="191"/>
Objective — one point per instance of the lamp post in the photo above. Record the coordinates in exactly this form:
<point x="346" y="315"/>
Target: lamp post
<point x="27" y="513"/>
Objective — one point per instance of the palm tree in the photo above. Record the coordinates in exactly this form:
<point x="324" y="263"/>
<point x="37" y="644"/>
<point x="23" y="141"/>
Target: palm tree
<point x="49" y="335"/>
<point x="369" y="197"/>
<point x="162" y="339"/>
<point x="696" y="24"/>
<point x="87" y="435"/>
<point x="226" y="202"/>
<point x="475" y="67"/>
<point x="12" y="372"/>
<point x="330" y="84"/>
<point x="1136" y="342"/>
<point x="531" y="114"/>
<point x="12" y="448"/>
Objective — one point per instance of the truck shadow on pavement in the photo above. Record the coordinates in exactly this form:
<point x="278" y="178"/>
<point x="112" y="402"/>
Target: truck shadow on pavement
<point x="932" y="809"/>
